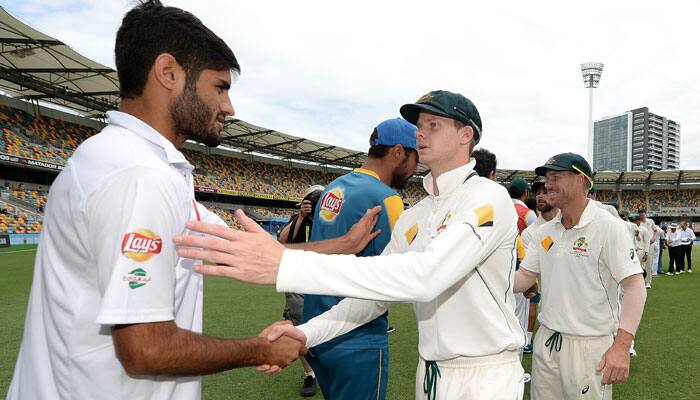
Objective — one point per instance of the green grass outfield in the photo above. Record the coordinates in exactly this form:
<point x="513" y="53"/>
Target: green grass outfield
<point x="668" y="341"/>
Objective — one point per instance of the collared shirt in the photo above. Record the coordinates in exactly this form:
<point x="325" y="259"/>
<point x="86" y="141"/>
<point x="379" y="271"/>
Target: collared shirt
<point x="452" y="255"/>
<point x="674" y="238"/>
<point x="106" y="257"/>
<point x="580" y="270"/>
<point x="687" y="236"/>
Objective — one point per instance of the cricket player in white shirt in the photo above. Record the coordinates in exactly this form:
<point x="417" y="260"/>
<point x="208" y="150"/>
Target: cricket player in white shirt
<point x="452" y="255"/>
<point x="581" y="257"/>
<point x="642" y="246"/>
<point x="114" y="313"/>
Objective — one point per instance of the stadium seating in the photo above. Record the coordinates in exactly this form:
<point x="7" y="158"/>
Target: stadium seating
<point x="51" y="140"/>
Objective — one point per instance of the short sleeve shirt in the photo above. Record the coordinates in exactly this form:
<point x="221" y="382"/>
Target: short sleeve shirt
<point x="580" y="270"/>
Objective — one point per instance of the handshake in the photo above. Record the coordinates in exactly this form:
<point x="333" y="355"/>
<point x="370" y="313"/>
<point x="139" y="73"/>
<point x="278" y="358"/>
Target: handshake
<point x="284" y="344"/>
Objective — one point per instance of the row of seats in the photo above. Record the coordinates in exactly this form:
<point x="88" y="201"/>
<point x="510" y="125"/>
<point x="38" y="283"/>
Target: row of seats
<point x="14" y="220"/>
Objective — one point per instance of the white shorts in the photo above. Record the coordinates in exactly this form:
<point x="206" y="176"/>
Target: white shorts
<point x="476" y="378"/>
<point x="569" y="373"/>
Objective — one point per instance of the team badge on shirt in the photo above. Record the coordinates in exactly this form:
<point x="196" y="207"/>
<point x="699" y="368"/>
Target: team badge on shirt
<point x="443" y="223"/>
<point x="331" y="203"/>
<point x="137" y="278"/>
<point x="580" y="247"/>
<point x="141" y="244"/>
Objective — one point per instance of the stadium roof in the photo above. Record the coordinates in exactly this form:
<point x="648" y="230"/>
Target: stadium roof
<point x="668" y="177"/>
<point x="35" y="66"/>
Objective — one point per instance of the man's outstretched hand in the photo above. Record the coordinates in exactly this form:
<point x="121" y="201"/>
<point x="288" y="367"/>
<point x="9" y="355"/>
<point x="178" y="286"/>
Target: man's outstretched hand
<point x="251" y="256"/>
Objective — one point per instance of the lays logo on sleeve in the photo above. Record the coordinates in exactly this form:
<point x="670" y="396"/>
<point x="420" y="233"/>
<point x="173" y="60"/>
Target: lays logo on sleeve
<point x="330" y="205"/>
<point x="141" y="244"/>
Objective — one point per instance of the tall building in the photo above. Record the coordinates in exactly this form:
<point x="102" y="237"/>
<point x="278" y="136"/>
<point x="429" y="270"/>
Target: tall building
<point x="636" y="140"/>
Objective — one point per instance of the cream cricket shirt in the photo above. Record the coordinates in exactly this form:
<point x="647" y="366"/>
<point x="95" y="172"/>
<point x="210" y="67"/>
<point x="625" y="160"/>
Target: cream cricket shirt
<point x="106" y="257"/>
<point x="580" y="270"/>
<point x="452" y="255"/>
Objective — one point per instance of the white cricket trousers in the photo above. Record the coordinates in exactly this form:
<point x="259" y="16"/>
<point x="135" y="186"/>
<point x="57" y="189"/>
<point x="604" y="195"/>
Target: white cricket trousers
<point x="493" y="377"/>
<point x="564" y="367"/>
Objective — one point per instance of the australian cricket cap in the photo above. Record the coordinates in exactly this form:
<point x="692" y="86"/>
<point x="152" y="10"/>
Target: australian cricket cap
<point x="567" y="162"/>
<point x="445" y="104"/>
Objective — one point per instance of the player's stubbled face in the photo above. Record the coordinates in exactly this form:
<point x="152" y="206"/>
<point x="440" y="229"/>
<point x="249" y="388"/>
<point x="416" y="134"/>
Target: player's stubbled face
<point x="199" y="111"/>
<point x="561" y="186"/>
<point x="542" y="201"/>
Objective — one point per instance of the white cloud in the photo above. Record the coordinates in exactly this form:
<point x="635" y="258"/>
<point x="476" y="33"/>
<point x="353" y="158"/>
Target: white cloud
<point x="331" y="71"/>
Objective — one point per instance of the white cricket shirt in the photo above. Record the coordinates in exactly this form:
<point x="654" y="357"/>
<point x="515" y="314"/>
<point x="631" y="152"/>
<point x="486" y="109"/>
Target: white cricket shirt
<point x="452" y="255"/>
<point x="580" y="270"/>
<point x="106" y="257"/>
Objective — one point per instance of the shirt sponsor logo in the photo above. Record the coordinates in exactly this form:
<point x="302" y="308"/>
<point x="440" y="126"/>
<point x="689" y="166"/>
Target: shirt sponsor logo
<point x="411" y="234"/>
<point x="331" y="203"/>
<point x="580" y="247"/>
<point x="141" y="244"/>
<point x="137" y="278"/>
<point x="484" y="216"/>
<point x="547" y="243"/>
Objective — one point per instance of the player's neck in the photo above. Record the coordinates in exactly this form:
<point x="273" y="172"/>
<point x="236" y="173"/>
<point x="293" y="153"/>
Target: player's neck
<point x="376" y="166"/>
<point x="571" y="214"/>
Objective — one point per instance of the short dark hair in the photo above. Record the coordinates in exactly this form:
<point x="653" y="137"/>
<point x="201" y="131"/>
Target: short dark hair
<point x="151" y="29"/>
<point x="485" y="162"/>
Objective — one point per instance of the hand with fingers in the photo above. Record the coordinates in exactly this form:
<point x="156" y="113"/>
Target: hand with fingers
<point x="277" y="331"/>
<point x="306" y="208"/>
<point x="361" y="233"/>
<point x="282" y="352"/>
<point x="615" y="363"/>
<point x="251" y="256"/>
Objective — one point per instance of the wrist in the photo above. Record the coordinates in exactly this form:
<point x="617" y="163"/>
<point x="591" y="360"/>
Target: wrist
<point x="623" y="338"/>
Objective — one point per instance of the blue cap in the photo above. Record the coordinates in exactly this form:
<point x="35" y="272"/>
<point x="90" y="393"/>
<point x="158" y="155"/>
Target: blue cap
<point x="395" y="131"/>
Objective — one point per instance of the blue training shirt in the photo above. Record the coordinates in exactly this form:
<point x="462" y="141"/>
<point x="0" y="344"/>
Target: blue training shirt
<point x="342" y="204"/>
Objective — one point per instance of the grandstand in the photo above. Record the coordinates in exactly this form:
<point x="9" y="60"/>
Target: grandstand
<point x="258" y="169"/>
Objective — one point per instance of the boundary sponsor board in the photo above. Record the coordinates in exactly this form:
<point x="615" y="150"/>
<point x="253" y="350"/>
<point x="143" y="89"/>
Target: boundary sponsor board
<point x="30" y="161"/>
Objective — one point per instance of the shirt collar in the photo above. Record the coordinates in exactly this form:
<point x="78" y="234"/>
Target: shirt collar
<point x="367" y="172"/>
<point x="145" y="131"/>
<point x="450" y="180"/>
<point x="587" y="216"/>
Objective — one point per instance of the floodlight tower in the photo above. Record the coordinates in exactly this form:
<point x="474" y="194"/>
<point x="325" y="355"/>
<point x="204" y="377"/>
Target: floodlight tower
<point x="591" y="78"/>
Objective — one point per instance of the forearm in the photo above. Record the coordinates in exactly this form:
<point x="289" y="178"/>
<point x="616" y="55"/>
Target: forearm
<point x="632" y="306"/>
<point x="412" y="276"/>
<point x="340" y="319"/>
<point x="177" y="352"/>
<point x="338" y="245"/>
<point x="524" y="280"/>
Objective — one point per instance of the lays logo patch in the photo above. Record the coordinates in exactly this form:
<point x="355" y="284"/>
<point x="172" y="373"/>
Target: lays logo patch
<point x="547" y="243"/>
<point x="141" y="244"/>
<point x="330" y="205"/>
<point x="411" y="234"/>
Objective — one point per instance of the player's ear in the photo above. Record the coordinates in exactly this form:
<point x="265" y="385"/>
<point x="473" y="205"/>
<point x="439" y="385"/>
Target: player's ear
<point x="397" y="152"/>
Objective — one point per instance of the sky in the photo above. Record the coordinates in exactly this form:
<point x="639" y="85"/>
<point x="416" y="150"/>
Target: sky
<point x="330" y="71"/>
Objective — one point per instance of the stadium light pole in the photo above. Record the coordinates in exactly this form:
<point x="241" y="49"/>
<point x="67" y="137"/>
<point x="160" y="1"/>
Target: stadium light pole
<point x="591" y="78"/>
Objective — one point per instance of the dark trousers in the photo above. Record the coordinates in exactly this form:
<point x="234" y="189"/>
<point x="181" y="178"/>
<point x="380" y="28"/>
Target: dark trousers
<point x="687" y="250"/>
<point x="661" y="253"/>
<point x="675" y="256"/>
